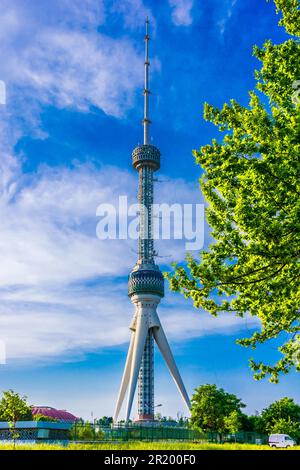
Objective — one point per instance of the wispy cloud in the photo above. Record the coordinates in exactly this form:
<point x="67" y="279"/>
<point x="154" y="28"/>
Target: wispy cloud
<point x="134" y="13"/>
<point x="67" y="323"/>
<point x="229" y="6"/>
<point x="68" y="67"/>
<point x="59" y="281"/>
<point x="181" y="12"/>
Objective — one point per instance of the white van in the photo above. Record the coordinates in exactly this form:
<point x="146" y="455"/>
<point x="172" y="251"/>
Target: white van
<point x="281" y="440"/>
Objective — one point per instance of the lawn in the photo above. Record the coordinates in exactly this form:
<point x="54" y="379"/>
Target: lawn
<point x="139" y="446"/>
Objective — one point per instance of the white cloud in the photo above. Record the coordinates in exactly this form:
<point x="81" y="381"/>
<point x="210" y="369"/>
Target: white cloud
<point x="61" y="323"/>
<point x="82" y="71"/>
<point x="43" y="236"/>
<point x="134" y="13"/>
<point x="66" y="323"/>
<point x="60" y="58"/>
<point x="181" y="12"/>
<point x="48" y="251"/>
<point x="183" y="322"/>
<point x="72" y="69"/>
<point x="84" y="13"/>
<point x="64" y="286"/>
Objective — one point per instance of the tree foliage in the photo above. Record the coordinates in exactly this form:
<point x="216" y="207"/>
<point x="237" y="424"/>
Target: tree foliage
<point x="84" y="431"/>
<point x="105" y="421"/>
<point x="290" y="15"/>
<point x="233" y="422"/>
<point x="215" y="410"/>
<point x="286" y="426"/>
<point x="283" y="417"/>
<point x="41" y="417"/>
<point x="252" y="423"/>
<point x="14" y="408"/>
<point x="251" y="184"/>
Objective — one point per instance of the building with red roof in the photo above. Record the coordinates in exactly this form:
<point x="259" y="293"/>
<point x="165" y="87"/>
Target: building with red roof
<point x="61" y="415"/>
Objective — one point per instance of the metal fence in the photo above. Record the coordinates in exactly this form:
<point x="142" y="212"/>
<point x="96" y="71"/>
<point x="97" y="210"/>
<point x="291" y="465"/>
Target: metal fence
<point x="132" y="432"/>
<point x="93" y="433"/>
<point x="240" y="437"/>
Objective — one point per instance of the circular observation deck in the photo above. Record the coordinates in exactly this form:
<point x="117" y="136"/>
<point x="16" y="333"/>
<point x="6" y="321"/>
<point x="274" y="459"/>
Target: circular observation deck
<point x="146" y="155"/>
<point x="146" y="281"/>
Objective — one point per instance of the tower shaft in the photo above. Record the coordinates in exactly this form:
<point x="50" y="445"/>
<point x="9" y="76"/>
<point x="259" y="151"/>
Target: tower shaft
<point x="145" y="286"/>
<point x="145" y="199"/>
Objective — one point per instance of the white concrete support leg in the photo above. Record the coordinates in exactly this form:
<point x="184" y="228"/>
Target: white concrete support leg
<point x="165" y="350"/>
<point x="145" y="318"/>
<point x="138" y="349"/>
<point x="125" y="378"/>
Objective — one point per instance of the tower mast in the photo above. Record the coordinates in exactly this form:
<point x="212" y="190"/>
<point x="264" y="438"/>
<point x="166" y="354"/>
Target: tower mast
<point x="146" y="120"/>
<point x="145" y="287"/>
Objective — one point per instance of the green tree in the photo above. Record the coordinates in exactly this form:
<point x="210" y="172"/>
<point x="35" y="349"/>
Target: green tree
<point x="164" y="419"/>
<point x="14" y="408"/>
<point x="214" y="410"/>
<point x="251" y="183"/>
<point x="41" y="417"/>
<point x="232" y="422"/>
<point x="252" y="423"/>
<point x="282" y="416"/>
<point x="105" y="421"/>
<point x="286" y="426"/>
<point x="82" y="431"/>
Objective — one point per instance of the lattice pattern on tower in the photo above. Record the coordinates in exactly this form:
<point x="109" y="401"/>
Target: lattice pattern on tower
<point x="145" y="198"/>
<point x="146" y="380"/>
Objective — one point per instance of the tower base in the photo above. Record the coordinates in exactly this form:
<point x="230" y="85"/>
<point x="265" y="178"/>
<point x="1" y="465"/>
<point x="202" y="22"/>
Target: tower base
<point x="144" y="419"/>
<point x="147" y="423"/>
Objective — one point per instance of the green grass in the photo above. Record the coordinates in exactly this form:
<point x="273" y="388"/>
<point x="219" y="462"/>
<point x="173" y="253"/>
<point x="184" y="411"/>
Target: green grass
<point x="140" y="446"/>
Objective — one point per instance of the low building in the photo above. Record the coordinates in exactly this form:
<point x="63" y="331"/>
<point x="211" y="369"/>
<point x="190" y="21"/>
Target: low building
<point x="42" y="430"/>
<point x="36" y="431"/>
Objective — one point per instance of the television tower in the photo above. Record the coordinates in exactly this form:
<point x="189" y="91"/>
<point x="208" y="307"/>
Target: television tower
<point x="146" y="287"/>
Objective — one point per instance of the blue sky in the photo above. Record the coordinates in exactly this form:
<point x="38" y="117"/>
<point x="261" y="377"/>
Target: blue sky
<point x="74" y="75"/>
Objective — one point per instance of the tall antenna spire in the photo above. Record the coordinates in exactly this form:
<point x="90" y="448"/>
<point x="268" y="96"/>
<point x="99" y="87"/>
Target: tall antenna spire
<point x="145" y="288"/>
<point x="146" y="120"/>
